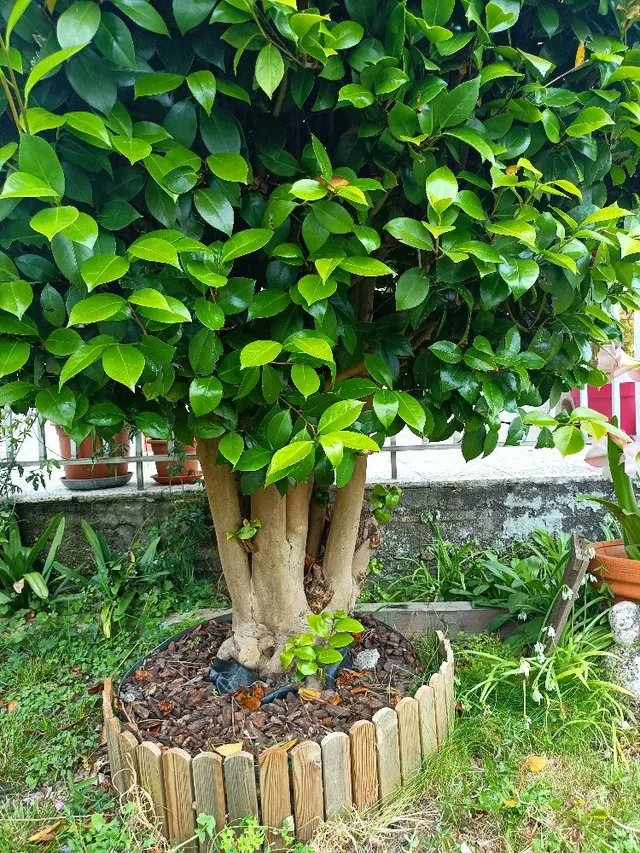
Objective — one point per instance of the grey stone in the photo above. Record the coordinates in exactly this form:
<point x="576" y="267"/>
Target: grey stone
<point x="367" y="659"/>
<point x="626" y="670"/>
<point x="624" y="618"/>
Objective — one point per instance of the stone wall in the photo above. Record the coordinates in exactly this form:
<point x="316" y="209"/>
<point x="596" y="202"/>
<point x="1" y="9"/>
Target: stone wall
<point x="483" y="510"/>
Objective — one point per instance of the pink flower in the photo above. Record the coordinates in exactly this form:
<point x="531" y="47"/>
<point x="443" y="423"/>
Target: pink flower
<point x="614" y="361"/>
<point x="58" y="805"/>
<point x="630" y="458"/>
<point x="596" y="455"/>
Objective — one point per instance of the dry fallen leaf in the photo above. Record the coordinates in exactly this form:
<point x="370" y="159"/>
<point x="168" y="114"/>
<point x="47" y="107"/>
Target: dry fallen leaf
<point x="289" y="744"/>
<point x="46" y="835"/>
<point x="228" y="749"/>
<point x="308" y="695"/>
<point x="166" y="706"/>
<point x="535" y="763"/>
<point x="510" y="803"/>
<point x="12" y="704"/>
<point x="579" y="55"/>
<point x="142" y="675"/>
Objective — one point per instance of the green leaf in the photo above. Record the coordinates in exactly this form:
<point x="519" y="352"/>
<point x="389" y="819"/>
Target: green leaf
<point x="379" y="370"/>
<point x="18" y="8"/>
<point x="142" y="13"/>
<point x="514" y="228"/>
<point x="447" y="351"/>
<point x="229" y="167"/>
<point x="15" y="297"/>
<point x="89" y="124"/>
<point x="100" y="269"/>
<point x="24" y="185"/>
<point x="13" y="355"/>
<point x="94" y="309"/>
<point x="474" y="140"/>
<point x="202" y="85"/>
<point x="78" y="24"/>
<point x="133" y="149"/>
<point x="520" y="274"/>
<point x="305" y="379"/>
<point x="231" y="447"/>
<point x="84" y="356"/>
<point x="365" y="266"/>
<point x="124" y="363"/>
<point x="245" y="242"/>
<point x="269" y="69"/>
<point x="588" y="120"/>
<point x="315" y="347"/>
<point x="333" y="217"/>
<point x="308" y="189"/>
<point x="38" y="158"/>
<point x="53" y="219"/>
<point x="205" y="393"/>
<point x="568" y="440"/>
<point x="114" y="41"/>
<point x="189" y="13"/>
<point x="457" y="106"/>
<point x="469" y="202"/>
<point x="285" y="458"/>
<point x="11" y="392"/>
<point x="442" y="189"/>
<point x="46" y="65"/>
<point x="339" y="415"/>
<point x="209" y="314"/>
<point x="155" y="249"/>
<point x="357" y="95"/>
<point x="411" y="411"/>
<point x="412" y="289"/>
<point x="149" y="298"/>
<point x="215" y="208"/>
<point x="385" y="405"/>
<point x="322" y="158"/>
<point x="156" y="84"/>
<point x="56" y="405"/>
<point x="268" y="303"/>
<point x="314" y="288"/>
<point x="258" y="353"/>
<point x="63" y="341"/>
<point x="411" y="232"/>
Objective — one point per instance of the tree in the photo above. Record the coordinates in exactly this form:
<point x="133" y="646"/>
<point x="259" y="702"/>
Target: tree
<point x="292" y="233"/>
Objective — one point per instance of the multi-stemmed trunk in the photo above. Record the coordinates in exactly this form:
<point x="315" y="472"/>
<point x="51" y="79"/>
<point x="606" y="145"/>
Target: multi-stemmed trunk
<point x="306" y="557"/>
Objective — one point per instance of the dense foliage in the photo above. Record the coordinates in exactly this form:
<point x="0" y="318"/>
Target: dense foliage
<point x="241" y="220"/>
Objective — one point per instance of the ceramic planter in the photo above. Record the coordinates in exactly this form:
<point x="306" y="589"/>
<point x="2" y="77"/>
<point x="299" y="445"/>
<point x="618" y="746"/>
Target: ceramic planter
<point x="94" y="475"/>
<point x="611" y="565"/>
<point x="166" y="471"/>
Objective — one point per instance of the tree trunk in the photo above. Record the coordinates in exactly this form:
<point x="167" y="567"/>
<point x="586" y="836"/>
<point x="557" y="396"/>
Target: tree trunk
<point x="306" y="557"/>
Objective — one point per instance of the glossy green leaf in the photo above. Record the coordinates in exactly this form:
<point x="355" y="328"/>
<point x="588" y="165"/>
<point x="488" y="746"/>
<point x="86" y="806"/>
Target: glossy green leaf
<point x="101" y="269"/>
<point x="124" y="363"/>
<point x="269" y="69"/>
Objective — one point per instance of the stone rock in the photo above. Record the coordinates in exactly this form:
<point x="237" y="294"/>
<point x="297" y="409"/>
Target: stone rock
<point x="624" y="618"/>
<point x="367" y="659"/>
<point x="626" y="670"/>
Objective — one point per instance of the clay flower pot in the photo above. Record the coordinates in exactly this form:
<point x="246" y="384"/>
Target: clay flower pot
<point x="167" y="474"/>
<point x="94" y="475"/>
<point x="611" y="565"/>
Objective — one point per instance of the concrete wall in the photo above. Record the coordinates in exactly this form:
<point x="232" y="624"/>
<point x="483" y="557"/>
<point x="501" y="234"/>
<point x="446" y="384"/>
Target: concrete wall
<point x="482" y="510"/>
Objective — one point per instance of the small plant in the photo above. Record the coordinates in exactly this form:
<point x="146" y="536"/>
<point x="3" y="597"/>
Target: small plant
<point x="19" y="579"/>
<point x="384" y="499"/>
<point x="246" y="533"/>
<point x="315" y="650"/>
<point x="120" y="581"/>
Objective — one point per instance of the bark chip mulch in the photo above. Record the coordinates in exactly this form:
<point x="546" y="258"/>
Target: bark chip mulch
<point x="168" y="699"/>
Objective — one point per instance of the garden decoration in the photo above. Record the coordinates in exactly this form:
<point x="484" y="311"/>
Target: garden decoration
<point x="289" y="233"/>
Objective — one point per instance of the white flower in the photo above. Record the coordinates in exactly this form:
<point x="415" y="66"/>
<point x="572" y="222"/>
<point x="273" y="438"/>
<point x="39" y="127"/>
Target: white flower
<point x="550" y="684"/>
<point x="539" y="650"/>
<point x="591" y="554"/>
<point x="522" y="616"/>
<point x="464" y="848"/>
<point x="550" y="631"/>
<point x="592" y="578"/>
<point x="566" y="593"/>
<point x="525" y="667"/>
<point x="625" y="725"/>
<point x="536" y="696"/>
<point x="527" y="722"/>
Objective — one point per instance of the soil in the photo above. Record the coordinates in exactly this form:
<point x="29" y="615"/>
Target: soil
<point x="168" y="699"/>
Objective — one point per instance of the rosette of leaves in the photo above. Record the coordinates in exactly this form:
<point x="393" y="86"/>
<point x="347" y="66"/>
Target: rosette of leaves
<point x="289" y="233"/>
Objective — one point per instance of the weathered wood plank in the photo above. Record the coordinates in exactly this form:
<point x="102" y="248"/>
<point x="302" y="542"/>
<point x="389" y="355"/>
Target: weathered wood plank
<point x="208" y="789"/>
<point x="308" y="798"/>
<point x="425" y="698"/>
<point x="112" y="733"/>
<point x="572" y="579"/>
<point x="178" y="789"/>
<point x="446" y="671"/>
<point x="240" y="785"/>
<point x="436" y="682"/>
<point x="149" y="757"/>
<point x="275" y="799"/>
<point x="129" y="766"/>
<point x="388" y="751"/>
<point x="409" y="737"/>
<point x="364" y="764"/>
<point x="336" y="774"/>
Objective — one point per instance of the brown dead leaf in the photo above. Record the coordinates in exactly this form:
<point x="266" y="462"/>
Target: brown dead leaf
<point x="46" y="835"/>
<point x="308" y="695"/>
<point x="251" y="703"/>
<point x="580" y="52"/>
<point x="358" y="690"/>
<point x="96" y="688"/>
<point x="289" y="744"/>
<point x="142" y="675"/>
<point x="166" y="706"/>
<point x="335" y="700"/>
<point x="229" y="748"/>
<point x="535" y="763"/>
<point x="12" y="704"/>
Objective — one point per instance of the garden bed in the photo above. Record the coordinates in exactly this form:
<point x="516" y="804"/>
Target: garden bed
<point x="349" y="747"/>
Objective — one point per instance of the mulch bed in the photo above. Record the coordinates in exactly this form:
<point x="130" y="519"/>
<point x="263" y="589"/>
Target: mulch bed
<point x="169" y="700"/>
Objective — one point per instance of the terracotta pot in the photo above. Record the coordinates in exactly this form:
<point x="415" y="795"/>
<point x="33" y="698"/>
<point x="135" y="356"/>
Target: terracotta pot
<point x="86" y="449"/>
<point x="167" y="475"/>
<point x="611" y="565"/>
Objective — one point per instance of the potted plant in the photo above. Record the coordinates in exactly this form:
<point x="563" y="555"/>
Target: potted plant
<point x="95" y="474"/>
<point x="176" y="471"/>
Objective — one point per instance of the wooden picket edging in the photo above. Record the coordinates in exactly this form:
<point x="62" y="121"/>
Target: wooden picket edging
<point x="301" y="787"/>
